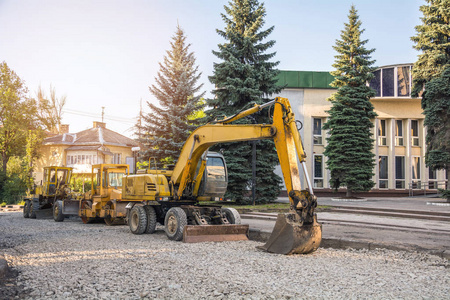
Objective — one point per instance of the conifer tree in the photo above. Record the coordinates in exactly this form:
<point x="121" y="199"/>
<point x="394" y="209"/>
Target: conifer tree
<point x="350" y="143"/>
<point x="245" y="75"/>
<point x="436" y="105"/>
<point x="433" y="39"/>
<point x="432" y="71"/>
<point x="168" y="125"/>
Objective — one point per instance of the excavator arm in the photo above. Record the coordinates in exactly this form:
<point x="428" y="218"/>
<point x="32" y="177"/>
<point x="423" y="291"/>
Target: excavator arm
<point x="294" y="232"/>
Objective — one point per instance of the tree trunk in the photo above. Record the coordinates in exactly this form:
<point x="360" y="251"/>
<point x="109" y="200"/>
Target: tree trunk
<point x="447" y="185"/>
<point x="349" y="193"/>
<point x="5" y="159"/>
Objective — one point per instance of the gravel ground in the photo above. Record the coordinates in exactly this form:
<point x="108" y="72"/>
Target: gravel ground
<point x="71" y="260"/>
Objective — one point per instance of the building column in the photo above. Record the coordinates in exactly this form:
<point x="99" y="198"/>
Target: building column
<point x="408" y="162"/>
<point x="391" y="156"/>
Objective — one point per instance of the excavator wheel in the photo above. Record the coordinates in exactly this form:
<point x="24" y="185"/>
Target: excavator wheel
<point x="138" y="219"/>
<point x="289" y="237"/>
<point x="174" y="223"/>
<point x="232" y="215"/>
<point x="151" y="219"/>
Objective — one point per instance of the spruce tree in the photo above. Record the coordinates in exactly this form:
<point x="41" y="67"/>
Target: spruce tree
<point x="246" y="75"/>
<point x="433" y="39"/>
<point x="436" y="106"/>
<point x="350" y="143"/>
<point x="168" y="125"/>
<point x="432" y="71"/>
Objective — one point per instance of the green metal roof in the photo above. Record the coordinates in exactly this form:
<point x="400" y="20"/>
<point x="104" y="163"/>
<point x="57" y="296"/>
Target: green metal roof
<point x="305" y="79"/>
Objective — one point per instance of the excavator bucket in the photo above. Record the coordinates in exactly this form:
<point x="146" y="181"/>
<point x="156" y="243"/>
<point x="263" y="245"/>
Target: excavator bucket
<point x="289" y="237"/>
<point x="214" y="233"/>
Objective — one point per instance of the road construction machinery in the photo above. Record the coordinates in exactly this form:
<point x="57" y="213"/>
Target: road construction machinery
<point x="110" y="194"/>
<point x="103" y="201"/>
<point x="172" y="198"/>
<point x="54" y="186"/>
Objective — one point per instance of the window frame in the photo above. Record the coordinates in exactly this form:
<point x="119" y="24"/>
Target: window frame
<point x="415" y="141"/>
<point x="382" y="139"/>
<point x="316" y="178"/>
<point x="380" y="179"/>
<point x="400" y="180"/>
<point x="319" y="137"/>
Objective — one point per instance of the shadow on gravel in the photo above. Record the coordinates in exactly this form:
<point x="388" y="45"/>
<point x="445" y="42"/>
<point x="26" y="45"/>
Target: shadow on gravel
<point x="8" y="286"/>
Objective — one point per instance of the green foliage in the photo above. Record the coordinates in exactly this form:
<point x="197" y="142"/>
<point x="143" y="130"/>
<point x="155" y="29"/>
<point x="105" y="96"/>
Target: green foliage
<point x="445" y="194"/>
<point x="17" y="115"/>
<point x="350" y="144"/>
<point x="169" y="124"/>
<point x="433" y="40"/>
<point x="3" y="204"/>
<point x="14" y="182"/>
<point x="436" y="105"/>
<point x="76" y="184"/>
<point x="432" y="71"/>
<point x="245" y="75"/>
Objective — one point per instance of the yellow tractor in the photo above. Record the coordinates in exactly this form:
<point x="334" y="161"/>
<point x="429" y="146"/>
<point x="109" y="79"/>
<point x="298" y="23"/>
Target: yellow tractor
<point x="54" y="186"/>
<point x="172" y="198"/>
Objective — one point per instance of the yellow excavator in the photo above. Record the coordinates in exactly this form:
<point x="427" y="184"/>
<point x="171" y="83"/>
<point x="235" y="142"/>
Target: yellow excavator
<point x="175" y="200"/>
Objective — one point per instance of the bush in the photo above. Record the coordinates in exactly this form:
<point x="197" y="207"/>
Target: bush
<point x="445" y="194"/>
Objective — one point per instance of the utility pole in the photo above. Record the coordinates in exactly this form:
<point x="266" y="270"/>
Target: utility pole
<point x="254" y="172"/>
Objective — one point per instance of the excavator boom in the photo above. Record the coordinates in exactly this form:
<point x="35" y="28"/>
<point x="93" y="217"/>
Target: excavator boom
<point x="294" y="232"/>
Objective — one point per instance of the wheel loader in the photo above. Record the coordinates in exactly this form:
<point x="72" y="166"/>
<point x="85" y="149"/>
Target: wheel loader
<point x="172" y="197"/>
<point x="54" y="186"/>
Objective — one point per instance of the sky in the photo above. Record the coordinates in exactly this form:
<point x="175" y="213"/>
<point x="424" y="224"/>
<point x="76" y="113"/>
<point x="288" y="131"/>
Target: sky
<point x="104" y="54"/>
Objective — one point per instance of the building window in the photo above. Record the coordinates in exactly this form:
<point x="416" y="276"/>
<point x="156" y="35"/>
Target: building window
<point x="403" y="81"/>
<point x="415" y="172"/>
<point x="398" y="133"/>
<point x="382" y="133"/>
<point x="383" y="172"/>
<point x="318" y="171"/>
<point x="317" y="131"/>
<point x="375" y="83"/>
<point x="388" y="82"/>
<point x="117" y="158"/>
<point x="415" y="132"/>
<point x="432" y="176"/>
<point x="399" y="172"/>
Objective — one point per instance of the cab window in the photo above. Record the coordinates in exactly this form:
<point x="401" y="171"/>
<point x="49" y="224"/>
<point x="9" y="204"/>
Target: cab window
<point x="115" y="179"/>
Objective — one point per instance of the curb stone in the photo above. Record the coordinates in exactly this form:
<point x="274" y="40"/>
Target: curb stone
<point x="337" y="243"/>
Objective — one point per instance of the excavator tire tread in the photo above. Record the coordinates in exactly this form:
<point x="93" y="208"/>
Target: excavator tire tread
<point x="174" y="223"/>
<point x="151" y="219"/>
<point x="232" y="215"/>
<point x="138" y="219"/>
